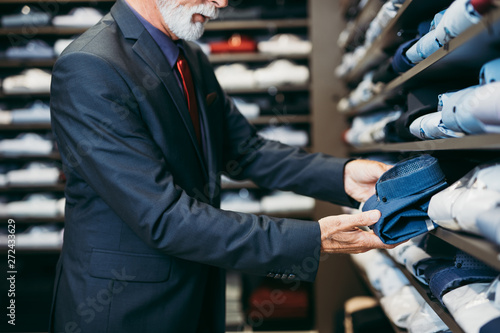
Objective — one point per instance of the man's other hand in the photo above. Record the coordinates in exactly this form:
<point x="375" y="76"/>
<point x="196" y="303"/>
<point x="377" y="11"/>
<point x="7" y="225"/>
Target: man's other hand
<point x="360" y="177"/>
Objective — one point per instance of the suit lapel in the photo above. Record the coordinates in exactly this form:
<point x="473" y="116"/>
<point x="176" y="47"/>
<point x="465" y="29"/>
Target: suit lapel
<point x="146" y="48"/>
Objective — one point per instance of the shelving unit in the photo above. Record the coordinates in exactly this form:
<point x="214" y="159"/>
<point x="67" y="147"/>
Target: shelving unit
<point x="291" y="114"/>
<point x="482" y="38"/>
<point x="467" y="53"/>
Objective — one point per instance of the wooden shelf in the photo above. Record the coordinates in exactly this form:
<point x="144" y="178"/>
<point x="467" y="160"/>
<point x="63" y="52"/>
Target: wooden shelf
<point x="270" y="90"/>
<point x="362" y="21"/>
<point x="235" y="185"/>
<point x="305" y="214"/>
<point x="411" y="13"/>
<point x="23" y="63"/>
<point x="483" y="38"/>
<point x="471" y="142"/>
<point x="476" y="246"/>
<point x="281" y="119"/>
<point x="33" y="220"/>
<point x="50" y="157"/>
<point x="36" y="250"/>
<point x="24" y="127"/>
<point x="424" y="291"/>
<point x="24" y="95"/>
<point x="48" y="30"/>
<point x="32" y="188"/>
<point x="257" y="24"/>
<point x="253" y="57"/>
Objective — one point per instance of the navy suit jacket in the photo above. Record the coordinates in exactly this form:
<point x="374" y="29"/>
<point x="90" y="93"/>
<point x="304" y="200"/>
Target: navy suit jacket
<point x="145" y="246"/>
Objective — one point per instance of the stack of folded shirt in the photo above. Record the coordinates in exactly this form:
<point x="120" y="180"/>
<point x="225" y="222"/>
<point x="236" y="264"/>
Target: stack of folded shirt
<point x="447" y="25"/>
<point x="34" y="173"/>
<point x="36" y="237"/>
<point x="34" y="49"/>
<point x="26" y="144"/>
<point x="235" y="76"/>
<point x="370" y="128"/>
<point x="362" y="93"/>
<point x="473" y="110"/>
<point x="61" y="44"/>
<point x="383" y="17"/>
<point x="235" y="44"/>
<point x="285" y="44"/>
<point x="37" y="112"/>
<point x="278" y="73"/>
<point x="248" y="109"/>
<point x="82" y="17"/>
<point x="240" y="201"/>
<point x="401" y="302"/>
<point x="38" y="205"/>
<point x="281" y="72"/>
<point x="285" y="202"/>
<point x="234" y="305"/>
<point x="285" y="134"/>
<point x="476" y="306"/>
<point x="29" y="16"/>
<point x="460" y="206"/>
<point x="411" y="255"/>
<point x="30" y="81"/>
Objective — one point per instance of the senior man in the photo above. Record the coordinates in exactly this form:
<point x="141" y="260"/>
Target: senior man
<point x="145" y="132"/>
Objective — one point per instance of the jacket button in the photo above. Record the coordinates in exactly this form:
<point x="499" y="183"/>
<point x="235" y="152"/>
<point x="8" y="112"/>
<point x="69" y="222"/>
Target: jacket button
<point x="384" y="199"/>
<point x="277" y="276"/>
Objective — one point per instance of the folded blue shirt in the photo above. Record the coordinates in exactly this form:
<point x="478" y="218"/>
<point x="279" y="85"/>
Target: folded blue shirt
<point x="465" y="270"/>
<point x="402" y="196"/>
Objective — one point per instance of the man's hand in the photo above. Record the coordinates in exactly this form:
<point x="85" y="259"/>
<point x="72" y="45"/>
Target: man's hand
<point x="340" y="234"/>
<point x="360" y="177"/>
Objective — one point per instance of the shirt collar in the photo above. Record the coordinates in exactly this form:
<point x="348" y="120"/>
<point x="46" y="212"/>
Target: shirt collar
<point x="167" y="45"/>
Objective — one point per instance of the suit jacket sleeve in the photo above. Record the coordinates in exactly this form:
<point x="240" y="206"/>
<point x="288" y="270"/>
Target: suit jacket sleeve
<point x="273" y="165"/>
<point x="104" y="141"/>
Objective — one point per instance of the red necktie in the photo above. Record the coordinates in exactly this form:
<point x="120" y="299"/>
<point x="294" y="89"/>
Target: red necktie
<point x="189" y="92"/>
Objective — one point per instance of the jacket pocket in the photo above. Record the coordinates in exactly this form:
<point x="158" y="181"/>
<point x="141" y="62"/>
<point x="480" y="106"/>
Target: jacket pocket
<point x="129" y="267"/>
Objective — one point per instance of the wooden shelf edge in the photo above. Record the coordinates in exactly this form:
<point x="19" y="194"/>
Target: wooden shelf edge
<point x="257" y="24"/>
<point x="470" y="142"/>
<point x="439" y="309"/>
<point x="476" y="246"/>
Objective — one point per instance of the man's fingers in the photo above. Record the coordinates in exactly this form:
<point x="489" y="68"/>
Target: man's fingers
<point x="347" y="222"/>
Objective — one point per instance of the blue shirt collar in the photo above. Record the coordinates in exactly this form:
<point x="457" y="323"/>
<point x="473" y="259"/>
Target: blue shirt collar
<point x="167" y="45"/>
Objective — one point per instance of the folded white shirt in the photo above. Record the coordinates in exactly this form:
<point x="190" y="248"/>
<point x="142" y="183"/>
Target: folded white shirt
<point x="401" y="305"/>
<point x="281" y="72"/>
<point x="35" y="173"/>
<point x="458" y="206"/>
<point x="286" y="135"/>
<point x="35" y="205"/>
<point x="470" y="307"/>
<point x="38" y="236"/>
<point x="32" y="80"/>
<point x="285" y="44"/>
<point x="425" y="320"/>
<point x="83" y="17"/>
<point x="249" y="110"/>
<point x="26" y="144"/>
<point x="60" y="45"/>
<point x="235" y="76"/>
<point x="280" y="201"/>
